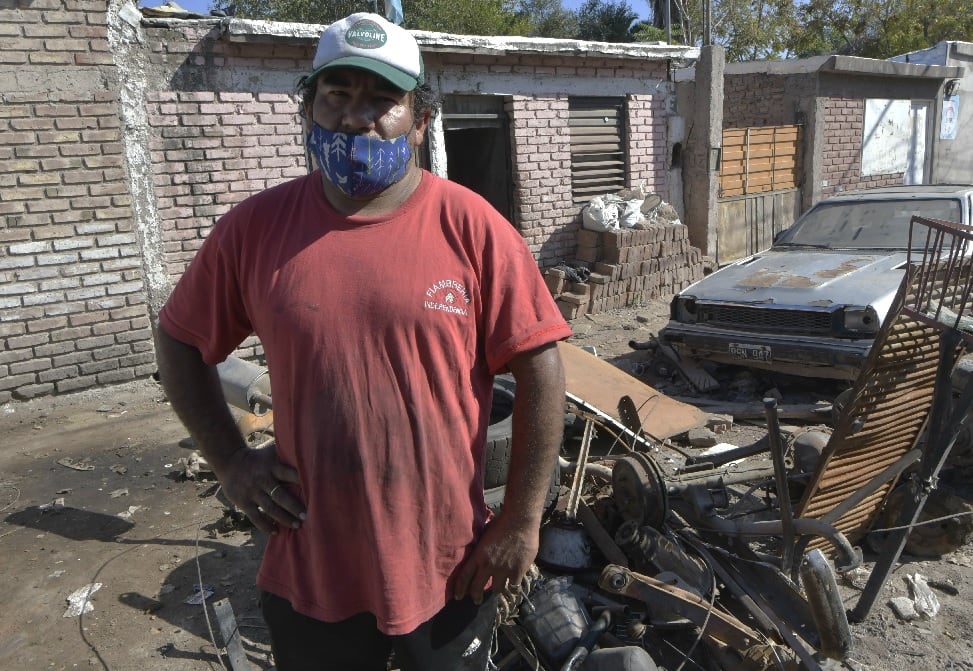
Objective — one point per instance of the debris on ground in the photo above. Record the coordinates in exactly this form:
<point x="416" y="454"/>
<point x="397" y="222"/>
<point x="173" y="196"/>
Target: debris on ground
<point x="79" y="601"/>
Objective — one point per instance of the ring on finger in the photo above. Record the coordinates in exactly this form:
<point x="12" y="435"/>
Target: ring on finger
<point x="273" y="491"/>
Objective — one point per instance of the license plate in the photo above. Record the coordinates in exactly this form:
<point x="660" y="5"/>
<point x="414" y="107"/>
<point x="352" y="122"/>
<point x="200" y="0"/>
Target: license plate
<point x="750" y="352"/>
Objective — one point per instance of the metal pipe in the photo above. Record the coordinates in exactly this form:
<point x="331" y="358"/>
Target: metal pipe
<point x="849" y="557"/>
<point x="783" y="494"/>
<point x="597" y="469"/>
<point x="245" y="385"/>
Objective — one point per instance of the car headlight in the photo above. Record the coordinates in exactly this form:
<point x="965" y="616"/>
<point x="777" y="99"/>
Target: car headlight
<point x="862" y="320"/>
<point x="683" y="309"/>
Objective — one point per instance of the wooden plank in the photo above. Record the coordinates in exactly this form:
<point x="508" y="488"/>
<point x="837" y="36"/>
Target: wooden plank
<point x="601" y="385"/>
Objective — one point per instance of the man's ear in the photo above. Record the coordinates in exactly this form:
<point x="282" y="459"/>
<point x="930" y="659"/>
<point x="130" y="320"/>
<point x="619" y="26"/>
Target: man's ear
<point x="421" y="125"/>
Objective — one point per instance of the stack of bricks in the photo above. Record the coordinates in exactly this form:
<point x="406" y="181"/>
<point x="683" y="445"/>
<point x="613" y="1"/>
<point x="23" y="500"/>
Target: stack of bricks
<point x="627" y="268"/>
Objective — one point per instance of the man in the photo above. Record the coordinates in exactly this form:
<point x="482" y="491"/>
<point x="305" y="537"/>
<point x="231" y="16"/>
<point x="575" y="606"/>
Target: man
<point x="385" y="299"/>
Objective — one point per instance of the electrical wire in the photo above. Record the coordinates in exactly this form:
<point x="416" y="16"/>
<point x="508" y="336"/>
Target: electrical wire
<point x="923" y="523"/>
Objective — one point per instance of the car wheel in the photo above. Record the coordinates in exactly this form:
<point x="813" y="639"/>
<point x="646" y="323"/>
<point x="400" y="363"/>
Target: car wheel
<point x="498" y="450"/>
<point x="494" y="496"/>
<point x="498" y="436"/>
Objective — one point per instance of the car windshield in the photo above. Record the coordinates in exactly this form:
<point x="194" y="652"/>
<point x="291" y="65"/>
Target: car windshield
<point x="868" y="224"/>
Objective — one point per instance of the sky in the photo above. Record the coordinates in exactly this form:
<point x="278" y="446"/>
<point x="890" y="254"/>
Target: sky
<point x="640" y="7"/>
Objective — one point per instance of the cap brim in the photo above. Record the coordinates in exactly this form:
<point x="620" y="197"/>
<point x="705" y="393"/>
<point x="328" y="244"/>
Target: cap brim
<point x="398" y="78"/>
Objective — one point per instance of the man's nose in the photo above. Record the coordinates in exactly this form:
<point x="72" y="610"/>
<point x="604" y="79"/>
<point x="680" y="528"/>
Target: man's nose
<point x="357" y="117"/>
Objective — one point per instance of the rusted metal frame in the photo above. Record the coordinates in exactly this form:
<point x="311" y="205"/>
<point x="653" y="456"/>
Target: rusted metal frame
<point x="817" y="498"/>
<point x="939" y="443"/>
<point x="863" y="493"/>
<point x="933" y="274"/>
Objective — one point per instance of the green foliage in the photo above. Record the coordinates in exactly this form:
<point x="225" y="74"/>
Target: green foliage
<point x="296" y="11"/>
<point x="473" y="17"/>
<point x="548" y="18"/>
<point x="879" y="28"/>
<point x="606" y="21"/>
<point x="644" y="31"/>
<point x="753" y="29"/>
<point x="747" y="29"/>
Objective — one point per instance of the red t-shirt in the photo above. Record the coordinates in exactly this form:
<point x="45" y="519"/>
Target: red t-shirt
<point x="382" y="335"/>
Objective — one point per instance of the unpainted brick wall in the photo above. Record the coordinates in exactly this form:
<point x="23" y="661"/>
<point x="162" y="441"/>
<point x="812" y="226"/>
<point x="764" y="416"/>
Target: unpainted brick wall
<point x="755" y="100"/>
<point x="213" y="150"/>
<point x="541" y="156"/>
<point x="841" y="164"/>
<point x="647" y="140"/>
<point x="72" y="300"/>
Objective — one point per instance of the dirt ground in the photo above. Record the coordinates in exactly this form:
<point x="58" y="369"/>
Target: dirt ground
<point x="92" y="493"/>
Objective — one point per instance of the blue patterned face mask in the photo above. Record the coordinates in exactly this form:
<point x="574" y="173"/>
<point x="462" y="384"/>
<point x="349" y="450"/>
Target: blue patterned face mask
<point x="359" y="165"/>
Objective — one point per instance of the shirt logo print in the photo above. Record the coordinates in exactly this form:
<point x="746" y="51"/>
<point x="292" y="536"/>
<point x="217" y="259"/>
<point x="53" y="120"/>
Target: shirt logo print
<point x="447" y="296"/>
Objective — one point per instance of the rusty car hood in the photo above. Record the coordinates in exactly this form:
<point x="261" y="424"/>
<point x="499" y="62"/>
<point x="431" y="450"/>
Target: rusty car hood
<point x="807" y="278"/>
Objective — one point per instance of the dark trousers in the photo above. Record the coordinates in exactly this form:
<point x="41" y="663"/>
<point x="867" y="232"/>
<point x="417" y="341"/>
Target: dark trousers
<point x="457" y="638"/>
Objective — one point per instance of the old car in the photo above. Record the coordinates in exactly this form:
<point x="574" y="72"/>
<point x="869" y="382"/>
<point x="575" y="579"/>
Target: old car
<point x="812" y="303"/>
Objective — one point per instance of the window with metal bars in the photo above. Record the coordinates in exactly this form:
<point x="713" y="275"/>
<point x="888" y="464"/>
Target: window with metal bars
<point x="598" y="155"/>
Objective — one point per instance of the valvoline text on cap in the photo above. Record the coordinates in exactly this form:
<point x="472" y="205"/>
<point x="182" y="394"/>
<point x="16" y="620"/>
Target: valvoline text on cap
<point x="366" y="34"/>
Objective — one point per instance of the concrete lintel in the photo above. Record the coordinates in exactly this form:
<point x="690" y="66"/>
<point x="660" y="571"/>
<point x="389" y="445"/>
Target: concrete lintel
<point x="546" y="46"/>
<point x="849" y="65"/>
<point x="854" y="65"/>
<point x="500" y="84"/>
<point x="246" y="30"/>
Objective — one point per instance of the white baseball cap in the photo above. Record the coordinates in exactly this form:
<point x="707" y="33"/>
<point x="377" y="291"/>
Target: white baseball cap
<point x="369" y="42"/>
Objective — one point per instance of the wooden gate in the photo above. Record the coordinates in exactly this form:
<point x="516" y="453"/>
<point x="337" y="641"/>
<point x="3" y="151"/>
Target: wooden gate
<point x="760" y="178"/>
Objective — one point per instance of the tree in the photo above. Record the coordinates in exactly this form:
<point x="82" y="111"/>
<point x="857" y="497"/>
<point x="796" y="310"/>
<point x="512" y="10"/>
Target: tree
<point x="644" y="31"/>
<point x="606" y="21"/>
<point x="548" y="18"/>
<point x="753" y="29"/>
<point x="879" y="28"/>
<point x="296" y="11"/>
<point x="473" y="17"/>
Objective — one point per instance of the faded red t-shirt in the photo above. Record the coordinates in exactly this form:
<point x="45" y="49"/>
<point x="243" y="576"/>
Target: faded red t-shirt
<point x="382" y="335"/>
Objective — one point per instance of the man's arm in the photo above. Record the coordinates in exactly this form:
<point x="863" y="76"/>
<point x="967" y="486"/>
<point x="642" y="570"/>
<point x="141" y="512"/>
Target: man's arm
<point x="253" y="479"/>
<point x="511" y="541"/>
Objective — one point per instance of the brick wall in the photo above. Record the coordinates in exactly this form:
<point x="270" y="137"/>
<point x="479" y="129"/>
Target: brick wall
<point x="96" y="225"/>
<point x="213" y="150"/>
<point x="646" y="131"/>
<point x="841" y="165"/>
<point x="72" y="301"/>
<point x="541" y="157"/>
<point x="755" y="100"/>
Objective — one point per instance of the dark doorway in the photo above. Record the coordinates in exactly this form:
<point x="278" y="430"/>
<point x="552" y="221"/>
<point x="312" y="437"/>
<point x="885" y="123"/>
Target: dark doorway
<point x="478" y="148"/>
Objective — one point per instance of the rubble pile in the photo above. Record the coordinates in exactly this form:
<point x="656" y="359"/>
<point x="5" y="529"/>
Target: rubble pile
<point x="653" y="570"/>
<point x="625" y="267"/>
